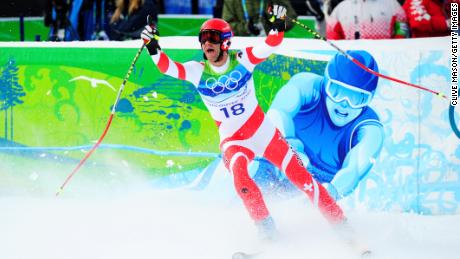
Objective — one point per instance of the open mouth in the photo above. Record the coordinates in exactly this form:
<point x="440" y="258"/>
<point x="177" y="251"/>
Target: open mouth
<point x="341" y="114"/>
<point x="210" y="50"/>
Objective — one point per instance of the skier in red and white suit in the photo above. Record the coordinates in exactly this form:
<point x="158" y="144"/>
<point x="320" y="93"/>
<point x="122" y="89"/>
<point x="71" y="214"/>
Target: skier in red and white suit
<point x="224" y="82"/>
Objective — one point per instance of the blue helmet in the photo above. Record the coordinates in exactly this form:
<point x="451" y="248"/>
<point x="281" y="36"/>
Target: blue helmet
<point x="340" y="68"/>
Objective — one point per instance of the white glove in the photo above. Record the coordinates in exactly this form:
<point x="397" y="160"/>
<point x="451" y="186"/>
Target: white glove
<point x="150" y="36"/>
<point x="279" y="12"/>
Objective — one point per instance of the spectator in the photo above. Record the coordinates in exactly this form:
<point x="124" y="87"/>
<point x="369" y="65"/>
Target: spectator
<point x="447" y="9"/>
<point x="319" y="9"/>
<point x="205" y="6"/>
<point x="427" y="18"/>
<point x="249" y="17"/>
<point x="311" y="8"/>
<point x="103" y="10"/>
<point x="177" y="6"/>
<point x="217" y="9"/>
<point x="314" y="8"/>
<point x="364" y="19"/>
<point x="130" y="17"/>
<point x="56" y="19"/>
<point x="79" y="17"/>
<point x="329" y="5"/>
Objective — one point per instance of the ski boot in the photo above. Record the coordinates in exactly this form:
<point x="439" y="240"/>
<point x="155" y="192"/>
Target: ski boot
<point x="266" y="229"/>
<point x="348" y="234"/>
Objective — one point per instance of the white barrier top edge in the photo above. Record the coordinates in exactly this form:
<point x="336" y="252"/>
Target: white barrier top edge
<point x="190" y="42"/>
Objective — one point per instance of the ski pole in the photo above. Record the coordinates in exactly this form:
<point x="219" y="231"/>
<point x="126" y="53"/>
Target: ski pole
<point x="361" y="65"/>
<point x="114" y="107"/>
<point x="109" y="122"/>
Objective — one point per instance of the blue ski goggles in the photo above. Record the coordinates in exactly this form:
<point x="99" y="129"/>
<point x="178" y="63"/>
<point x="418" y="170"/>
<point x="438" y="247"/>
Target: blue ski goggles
<point x="339" y="91"/>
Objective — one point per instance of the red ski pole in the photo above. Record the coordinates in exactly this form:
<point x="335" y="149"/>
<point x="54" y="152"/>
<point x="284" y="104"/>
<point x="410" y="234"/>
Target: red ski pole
<point x="319" y="37"/>
<point x="75" y="170"/>
<point x="109" y="122"/>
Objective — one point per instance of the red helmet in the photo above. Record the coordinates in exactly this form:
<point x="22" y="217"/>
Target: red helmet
<point x="216" y="30"/>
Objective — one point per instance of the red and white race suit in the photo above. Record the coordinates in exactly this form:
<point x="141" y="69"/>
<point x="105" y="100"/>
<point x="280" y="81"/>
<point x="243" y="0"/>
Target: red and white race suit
<point x="229" y="94"/>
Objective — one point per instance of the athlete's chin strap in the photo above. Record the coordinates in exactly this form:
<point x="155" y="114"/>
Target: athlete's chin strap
<point x="221" y="54"/>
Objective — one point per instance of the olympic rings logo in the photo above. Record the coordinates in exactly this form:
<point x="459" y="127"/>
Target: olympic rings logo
<point x="229" y="82"/>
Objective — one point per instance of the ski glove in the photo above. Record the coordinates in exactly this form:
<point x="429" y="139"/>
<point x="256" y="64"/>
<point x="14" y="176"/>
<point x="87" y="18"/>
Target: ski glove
<point x="277" y="17"/>
<point x="150" y="35"/>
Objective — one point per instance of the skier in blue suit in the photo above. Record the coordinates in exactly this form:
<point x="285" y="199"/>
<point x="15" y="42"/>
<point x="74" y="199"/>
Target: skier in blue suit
<point x="328" y="120"/>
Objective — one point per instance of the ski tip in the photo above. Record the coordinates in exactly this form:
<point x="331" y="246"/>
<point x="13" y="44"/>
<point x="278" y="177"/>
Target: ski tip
<point x="366" y="254"/>
<point x="241" y="255"/>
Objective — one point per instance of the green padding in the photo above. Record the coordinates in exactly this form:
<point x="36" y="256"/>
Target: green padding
<point x="65" y="106"/>
<point x="180" y="26"/>
<point x="190" y="26"/>
<point x="9" y="30"/>
<point x="168" y="26"/>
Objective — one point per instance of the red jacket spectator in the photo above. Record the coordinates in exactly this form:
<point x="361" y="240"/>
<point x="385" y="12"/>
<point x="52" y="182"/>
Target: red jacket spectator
<point x="447" y="4"/>
<point x="427" y="18"/>
<point x="367" y="19"/>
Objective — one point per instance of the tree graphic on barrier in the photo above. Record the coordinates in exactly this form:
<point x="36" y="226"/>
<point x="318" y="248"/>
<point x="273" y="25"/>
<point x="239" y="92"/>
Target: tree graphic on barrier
<point x="10" y="94"/>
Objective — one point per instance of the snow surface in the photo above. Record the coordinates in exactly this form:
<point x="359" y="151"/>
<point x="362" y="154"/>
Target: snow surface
<point x="129" y="219"/>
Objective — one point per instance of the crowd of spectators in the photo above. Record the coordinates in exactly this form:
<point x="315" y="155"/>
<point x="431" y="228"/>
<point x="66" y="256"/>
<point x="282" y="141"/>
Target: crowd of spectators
<point x="98" y="19"/>
<point x="335" y="19"/>
<point x="383" y="19"/>
<point x="249" y="17"/>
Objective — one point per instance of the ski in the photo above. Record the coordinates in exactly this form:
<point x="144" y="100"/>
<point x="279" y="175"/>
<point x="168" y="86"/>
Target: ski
<point x="366" y="254"/>
<point x="362" y="250"/>
<point x="242" y="255"/>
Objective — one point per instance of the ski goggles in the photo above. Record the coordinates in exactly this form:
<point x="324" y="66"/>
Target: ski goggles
<point x="210" y="35"/>
<point x="339" y="91"/>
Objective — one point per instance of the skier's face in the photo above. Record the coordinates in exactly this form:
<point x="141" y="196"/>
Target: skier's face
<point x="211" y="50"/>
<point x="214" y="54"/>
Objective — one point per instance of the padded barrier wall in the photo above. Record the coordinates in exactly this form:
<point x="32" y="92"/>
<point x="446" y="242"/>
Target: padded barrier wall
<point x="65" y="91"/>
